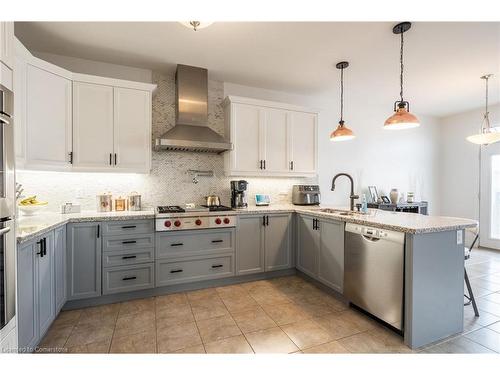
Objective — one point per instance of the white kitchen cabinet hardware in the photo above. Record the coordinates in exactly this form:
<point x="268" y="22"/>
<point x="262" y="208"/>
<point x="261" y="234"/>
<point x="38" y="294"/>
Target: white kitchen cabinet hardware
<point x="7" y="43"/>
<point x="270" y="138"/>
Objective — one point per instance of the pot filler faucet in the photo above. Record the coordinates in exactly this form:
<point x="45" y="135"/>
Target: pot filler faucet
<point x="352" y="196"/>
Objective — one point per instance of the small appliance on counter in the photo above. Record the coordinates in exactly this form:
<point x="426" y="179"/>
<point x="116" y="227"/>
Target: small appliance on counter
<point x="70" y="208"/>
<point x="262" y="200"/>
<point x="239" y="194"/>
<point x="305" y="195"/>
<point x="105" y="202"/>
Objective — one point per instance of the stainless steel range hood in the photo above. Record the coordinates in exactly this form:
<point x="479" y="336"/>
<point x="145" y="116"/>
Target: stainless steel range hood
<point x="191" y="131"/>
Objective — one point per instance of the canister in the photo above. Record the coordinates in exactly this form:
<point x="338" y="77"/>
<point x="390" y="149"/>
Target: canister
<point x="134" y="201"/>
<point x="104" y="202"/>
<point x="120" y="204"/>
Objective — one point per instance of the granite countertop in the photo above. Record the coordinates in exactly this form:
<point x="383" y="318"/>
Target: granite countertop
<point x="29" y="227"/>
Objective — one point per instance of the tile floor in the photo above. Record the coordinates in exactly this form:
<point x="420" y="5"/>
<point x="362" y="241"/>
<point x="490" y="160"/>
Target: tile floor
<point x="283" y="315"/>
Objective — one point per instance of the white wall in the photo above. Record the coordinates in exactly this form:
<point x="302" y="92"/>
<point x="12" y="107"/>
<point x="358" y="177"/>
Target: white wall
<point x="405" y="159"/>
<point x="459" y="162"/>
<point x="98" y="68"/>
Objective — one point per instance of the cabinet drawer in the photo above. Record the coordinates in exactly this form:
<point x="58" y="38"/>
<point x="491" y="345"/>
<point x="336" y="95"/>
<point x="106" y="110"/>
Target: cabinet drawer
<point x="195" y="269"/>
<point x="113" y="228"/>
<point x="192" y="243"/>
<point x="128" y="242"/>
<point x="120" y="258"/>
<point x="128" y="278"/>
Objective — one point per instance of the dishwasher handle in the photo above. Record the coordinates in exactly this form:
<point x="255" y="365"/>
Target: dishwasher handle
<point x="370" y="238"/>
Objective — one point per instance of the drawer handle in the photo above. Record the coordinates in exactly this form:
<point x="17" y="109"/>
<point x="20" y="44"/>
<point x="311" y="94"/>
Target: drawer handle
<point x="129" y="257"/>
<point x="176" y="244"/>
<point x="129" y="278"/>
<point x="217" y="266"/>
<point x="176" y="271"/>
<point x="129" y="226"/>
<point x="128" y="242"/>
<point x="216" y="241"/>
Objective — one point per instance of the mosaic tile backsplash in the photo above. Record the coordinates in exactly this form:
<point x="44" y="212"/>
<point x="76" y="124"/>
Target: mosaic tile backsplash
<point x="169" y="182"/>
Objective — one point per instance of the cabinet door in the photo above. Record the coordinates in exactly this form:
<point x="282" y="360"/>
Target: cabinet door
<point x="275" y="141"/>
<point x="249" y="245"/>
<point x="46" y="285"/>
<point x="27" y="296"/>
<point x="92" y="126"/>
<point x="60" y="267"/>
<point x="331" y="254"/>
<point x="83" y="260"/>
<point x="20" y="72"/>
<point x="6" y="43"/>
<point x="303" y="146"/>
<point x="308" y="246"/>
<point x="278" y="242"/>
<point x="132" y="130"/>
<point x="48" y="119"/>
<point x="246" y="125"/>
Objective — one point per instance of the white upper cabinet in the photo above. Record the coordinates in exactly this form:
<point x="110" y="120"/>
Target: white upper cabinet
<point x="92" y="127"/>
<point x="7" y="43"/>
<point x="270" y="138"/>
<point x="132" y="129"/>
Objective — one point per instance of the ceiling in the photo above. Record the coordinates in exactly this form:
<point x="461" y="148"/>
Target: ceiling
<point x="443" y="61"/>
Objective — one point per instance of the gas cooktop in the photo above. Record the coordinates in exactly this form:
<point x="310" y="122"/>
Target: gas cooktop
<point x="202" y="208"/>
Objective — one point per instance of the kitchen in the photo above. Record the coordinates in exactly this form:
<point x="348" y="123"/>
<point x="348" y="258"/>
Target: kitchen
<point x="170" y="209"/>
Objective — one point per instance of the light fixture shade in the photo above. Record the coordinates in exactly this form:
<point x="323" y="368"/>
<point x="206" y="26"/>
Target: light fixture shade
<point x="342" y="133"/>
<point x="195" y="25"/>
<point x="401" y="119"/>
<point x="485" y="138"/>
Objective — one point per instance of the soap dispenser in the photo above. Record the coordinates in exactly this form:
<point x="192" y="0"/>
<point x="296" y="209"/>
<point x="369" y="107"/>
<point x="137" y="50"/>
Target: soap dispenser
<point x="364" y="205"/>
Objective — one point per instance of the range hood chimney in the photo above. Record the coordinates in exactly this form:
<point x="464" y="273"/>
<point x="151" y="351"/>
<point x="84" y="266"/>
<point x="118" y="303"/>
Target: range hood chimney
<point x="191" y="131"/>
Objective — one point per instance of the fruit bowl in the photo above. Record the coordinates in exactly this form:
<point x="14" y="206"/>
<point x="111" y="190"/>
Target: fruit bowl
<point x="30" y="210"/>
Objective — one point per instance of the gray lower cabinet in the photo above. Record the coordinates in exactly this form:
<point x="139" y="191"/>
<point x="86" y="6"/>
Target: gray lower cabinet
<point x="264" y="243"/>
<point x="83" y="260"/>
<point x="320" y="250"/>
<point x="128" y="278"/>
<point x="36" y="290"/>
<point x="60" y="266"/>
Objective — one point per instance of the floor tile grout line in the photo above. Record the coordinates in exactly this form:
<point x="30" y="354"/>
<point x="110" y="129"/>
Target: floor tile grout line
<point x="196" y="324"/>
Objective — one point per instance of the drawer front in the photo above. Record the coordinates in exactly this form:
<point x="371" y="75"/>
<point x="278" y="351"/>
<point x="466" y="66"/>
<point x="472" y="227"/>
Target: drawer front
<point x="117" y="243"/>
<point x="193" y="243"/>
<point x="115" y="228"/>
<point x="128" y="278"/>
<point x="196" y="269"/>
<point x="121" y="258"/>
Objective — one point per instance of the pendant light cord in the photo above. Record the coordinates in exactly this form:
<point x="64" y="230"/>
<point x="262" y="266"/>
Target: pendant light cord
<point x="341" y="95"/>
<point x="402" y="68"/>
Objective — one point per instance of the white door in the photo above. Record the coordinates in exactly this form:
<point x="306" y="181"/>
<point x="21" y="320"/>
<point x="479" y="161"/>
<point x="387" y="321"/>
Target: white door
<point x="275" y="141"/>
<point x="132" y="130"/>
<point x="92" y="126"/>
<point x="246" y="125"/>
<point x="303" y="146"/>
<point x="48" y="119"/>
<point x="490" y="196"/>
<point x="7" y="43"/>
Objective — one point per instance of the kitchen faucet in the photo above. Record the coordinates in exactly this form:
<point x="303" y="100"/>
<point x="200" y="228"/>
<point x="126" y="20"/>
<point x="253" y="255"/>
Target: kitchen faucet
<point x="352" y="196"/>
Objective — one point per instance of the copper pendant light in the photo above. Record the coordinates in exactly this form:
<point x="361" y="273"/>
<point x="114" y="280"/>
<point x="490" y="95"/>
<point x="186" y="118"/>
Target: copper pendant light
<point x="486" y="136"/>
<point x="402" y="118"/>
<point x="342" y="133"/>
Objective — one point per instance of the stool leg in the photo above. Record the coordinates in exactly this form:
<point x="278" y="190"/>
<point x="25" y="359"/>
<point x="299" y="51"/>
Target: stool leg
<point x="471" y="295"/>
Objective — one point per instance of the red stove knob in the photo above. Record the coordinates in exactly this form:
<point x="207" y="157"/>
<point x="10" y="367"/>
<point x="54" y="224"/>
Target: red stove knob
<point x="218" y="221"/>
<point x="177" y="223"/>
<point x="226" y="220"/>
<point x="167" y="223"/>
<point x="198" y="222"/>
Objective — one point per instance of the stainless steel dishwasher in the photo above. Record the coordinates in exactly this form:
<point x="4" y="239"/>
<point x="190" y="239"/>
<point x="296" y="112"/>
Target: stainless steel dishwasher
<point x="374" y="272"/>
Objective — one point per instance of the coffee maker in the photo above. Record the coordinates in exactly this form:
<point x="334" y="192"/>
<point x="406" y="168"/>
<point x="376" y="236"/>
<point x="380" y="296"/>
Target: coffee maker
<point x="239" y="194"/>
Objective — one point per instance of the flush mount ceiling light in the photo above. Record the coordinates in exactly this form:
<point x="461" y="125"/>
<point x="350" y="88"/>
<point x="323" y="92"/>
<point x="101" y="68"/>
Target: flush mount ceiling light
<point x="487" y="136"/>
<point x="196" y="25"/>
<point x="342" y="133"/>
<point x="402" y="118"/>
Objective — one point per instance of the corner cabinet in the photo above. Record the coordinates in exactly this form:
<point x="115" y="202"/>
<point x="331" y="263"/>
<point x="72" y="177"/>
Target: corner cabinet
<point x="77" y="122"/>
<point x="270" y="138"/>
<point x="320" y="250"/>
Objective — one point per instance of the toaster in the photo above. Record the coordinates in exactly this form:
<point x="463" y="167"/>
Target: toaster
<point x="305" y="195"/>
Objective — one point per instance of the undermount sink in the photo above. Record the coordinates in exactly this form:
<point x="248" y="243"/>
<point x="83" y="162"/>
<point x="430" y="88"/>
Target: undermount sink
<point x="340" y="212"/>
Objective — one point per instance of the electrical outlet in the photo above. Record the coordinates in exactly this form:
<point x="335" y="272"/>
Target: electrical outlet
<point x="460" y="239"/>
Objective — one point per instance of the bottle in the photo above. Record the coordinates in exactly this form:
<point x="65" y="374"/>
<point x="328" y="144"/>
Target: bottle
<point x="364" y="204"/>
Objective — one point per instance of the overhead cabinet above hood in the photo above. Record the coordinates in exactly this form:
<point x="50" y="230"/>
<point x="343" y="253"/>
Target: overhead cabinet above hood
<point x="191" y="131"/>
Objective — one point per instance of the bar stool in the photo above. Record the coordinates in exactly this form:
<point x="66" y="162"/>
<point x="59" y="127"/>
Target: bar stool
<point x="467" y="250"/>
